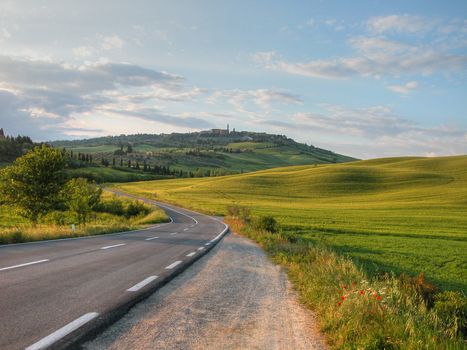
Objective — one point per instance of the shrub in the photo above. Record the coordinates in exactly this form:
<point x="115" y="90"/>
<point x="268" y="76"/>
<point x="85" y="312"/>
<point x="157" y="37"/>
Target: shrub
<point x="136" y="208"/>
<point x="112" y="206"/>
<point x="60" y="218"/>
<point x="451" y="310"/>
<point x="81" y="197"/>
<point x="34" y="181"/>
<point x="266" y="223"/>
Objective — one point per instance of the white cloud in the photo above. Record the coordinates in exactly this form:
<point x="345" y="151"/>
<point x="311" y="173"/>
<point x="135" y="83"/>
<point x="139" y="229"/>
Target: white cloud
<point x="310" y="23"/>
<point x="372" y="132"/>
<point x="83" y="51"/>
<point x="46" y="98"/>
<point x="112" y="42"/>
<point x="405" y="88"/>
<point x="376" y="58"/>
<point x="263" y="98"/>
<point x="382" y="53"/>
<point x="401" y="24"/>
<point x="4" y="35"/>
<point x="100" y="43"/>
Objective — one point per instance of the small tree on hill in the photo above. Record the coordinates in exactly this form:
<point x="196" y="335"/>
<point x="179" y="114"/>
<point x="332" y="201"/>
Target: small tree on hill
<point x="81" y="197"/>
<point x="32" y="184"/>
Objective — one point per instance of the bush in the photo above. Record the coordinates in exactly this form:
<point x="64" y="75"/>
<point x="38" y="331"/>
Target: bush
<point x="136" y="208"/>
<point x="59" y="218"/>
<point x="266" y="223"/>
<point x="113" y="206"/>
<point x="33" y="183"/>
<point x="451" y="310"/>
<point x="81" y="197"/>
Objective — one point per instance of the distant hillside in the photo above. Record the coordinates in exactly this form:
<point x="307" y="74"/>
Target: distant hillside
<point x="207" y="153"/>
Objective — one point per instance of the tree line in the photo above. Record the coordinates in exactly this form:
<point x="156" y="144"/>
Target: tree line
<point x="13" y="147"/>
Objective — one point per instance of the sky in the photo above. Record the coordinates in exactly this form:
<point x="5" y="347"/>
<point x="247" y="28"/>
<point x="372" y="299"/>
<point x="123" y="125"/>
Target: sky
<point x="362" y="78"/>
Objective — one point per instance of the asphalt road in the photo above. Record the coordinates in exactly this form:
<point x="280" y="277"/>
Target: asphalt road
<point x="54" y="289"/>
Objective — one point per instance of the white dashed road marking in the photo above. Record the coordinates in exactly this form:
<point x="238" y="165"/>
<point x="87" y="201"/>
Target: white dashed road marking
<point x="62" y="332"/>
<point x="25" y="264"/>
<point x="113" y="246"/>
<point x="151" y="238"/>
<point x="141" y="284"/>
<point x="171" y="266"/>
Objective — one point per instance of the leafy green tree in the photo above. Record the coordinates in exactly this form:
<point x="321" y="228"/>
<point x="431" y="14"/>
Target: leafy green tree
<point x="81" y="197"/>
<point x="33" y="183"/>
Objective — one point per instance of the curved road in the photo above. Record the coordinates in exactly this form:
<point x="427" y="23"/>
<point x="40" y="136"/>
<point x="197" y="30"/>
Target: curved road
<point x="54" y="290"/>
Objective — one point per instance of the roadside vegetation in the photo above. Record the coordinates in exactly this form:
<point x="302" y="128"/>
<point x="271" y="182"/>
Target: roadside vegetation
<point x="376" y="247"/>
<point x="38" y="202"/>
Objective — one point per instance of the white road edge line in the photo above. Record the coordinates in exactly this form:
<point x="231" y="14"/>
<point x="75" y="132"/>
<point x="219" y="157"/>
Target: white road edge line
<point x="173" y="233"/>
<point x="208" y="243"/>
<point x="141" y="284"/>
<point x="171" y="266"/>
<point x="191" y="254"/>
<point x="25" y="264"/>
<point x="151" y="238"/>
<point x="200" y="248"/>
<point x="179" y="212"/>
<point x="62" y="332"/>
<point x="113" y="246"/>
<point x="185" y="229"/>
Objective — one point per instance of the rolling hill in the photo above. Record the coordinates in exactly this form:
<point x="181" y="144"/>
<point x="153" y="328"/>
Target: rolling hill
<point x="209" y="153"/>
<point x="395" y="214"/>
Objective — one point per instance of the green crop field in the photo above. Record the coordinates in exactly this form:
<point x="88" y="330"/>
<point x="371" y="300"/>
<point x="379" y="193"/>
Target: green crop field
<point x="396" y="214"/>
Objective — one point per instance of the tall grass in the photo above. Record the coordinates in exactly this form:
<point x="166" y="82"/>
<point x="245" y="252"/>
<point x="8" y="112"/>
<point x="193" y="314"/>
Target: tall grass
<point x="114" y="215"/>
<point x="356" y="311"/>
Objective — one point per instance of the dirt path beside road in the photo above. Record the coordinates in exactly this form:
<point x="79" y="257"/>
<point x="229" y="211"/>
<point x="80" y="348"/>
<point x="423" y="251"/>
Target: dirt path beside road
<point x="233" y="298"/>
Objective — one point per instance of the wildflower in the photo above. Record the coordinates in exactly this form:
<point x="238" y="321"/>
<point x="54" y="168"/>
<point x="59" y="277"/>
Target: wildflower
<point x="342" y="297"/>
<point x="379" y="298"/>
<point x="362" y="292"/>
<point x="339" y="303"/>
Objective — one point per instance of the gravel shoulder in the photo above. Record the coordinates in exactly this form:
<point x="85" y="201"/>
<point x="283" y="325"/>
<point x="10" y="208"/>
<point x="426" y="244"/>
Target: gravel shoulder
<point x="232" y="298"/>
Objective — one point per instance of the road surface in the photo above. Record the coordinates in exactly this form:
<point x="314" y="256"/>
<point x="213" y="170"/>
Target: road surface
<point x="52" y="291"/>
<point x="232" y="298"/>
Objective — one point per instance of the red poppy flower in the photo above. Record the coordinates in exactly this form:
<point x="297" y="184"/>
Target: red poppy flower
<point x="362" y="292"/>
<point x="342" y="297"/>
<point x="379" y="298"/>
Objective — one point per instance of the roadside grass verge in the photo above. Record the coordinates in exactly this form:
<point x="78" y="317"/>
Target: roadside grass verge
<point x="114" y="214"/>
<point x="356" y="311"/>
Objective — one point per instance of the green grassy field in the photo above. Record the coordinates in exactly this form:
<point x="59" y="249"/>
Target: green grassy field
<point x="109" y="174"/>
<point x="397" y="214"/>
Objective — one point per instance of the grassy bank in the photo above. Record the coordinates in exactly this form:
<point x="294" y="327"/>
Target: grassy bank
<point x="365" y="221"/>
<point x="357" y="311"/>
<point x="113" y="215"/>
